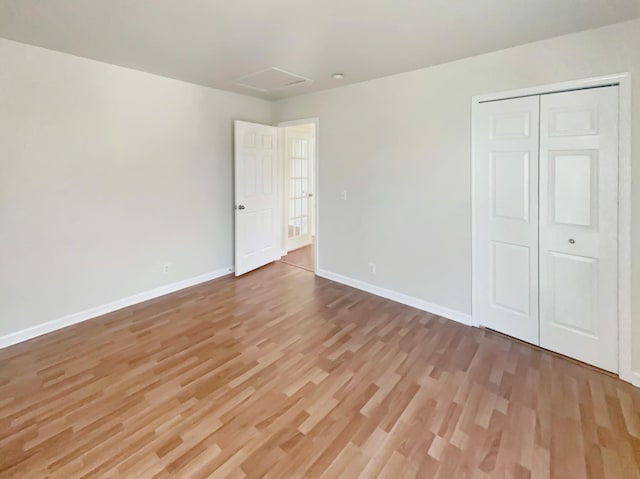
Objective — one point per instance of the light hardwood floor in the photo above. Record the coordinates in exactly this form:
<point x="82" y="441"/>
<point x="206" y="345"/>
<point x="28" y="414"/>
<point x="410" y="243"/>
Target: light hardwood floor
<point x="280" y="374"/>
<point x="301" y="257"/>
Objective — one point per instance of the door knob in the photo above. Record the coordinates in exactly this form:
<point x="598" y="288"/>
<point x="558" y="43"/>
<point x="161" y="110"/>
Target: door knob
<point x="240" y="207"/>
<point x="572" y="241"/>
<point x="310" y="195"/>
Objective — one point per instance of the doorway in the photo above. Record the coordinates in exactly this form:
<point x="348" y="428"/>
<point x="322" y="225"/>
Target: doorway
<point x="299" y="161"/>
<point x="275" y="198"/>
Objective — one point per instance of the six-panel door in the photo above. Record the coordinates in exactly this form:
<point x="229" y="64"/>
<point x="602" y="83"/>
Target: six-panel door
<point x="506" y="217"/>
<point x="257" y="201"/>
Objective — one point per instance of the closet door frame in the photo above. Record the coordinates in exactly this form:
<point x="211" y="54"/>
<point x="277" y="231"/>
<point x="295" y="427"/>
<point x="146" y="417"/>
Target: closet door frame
<point x="623" y="81"/>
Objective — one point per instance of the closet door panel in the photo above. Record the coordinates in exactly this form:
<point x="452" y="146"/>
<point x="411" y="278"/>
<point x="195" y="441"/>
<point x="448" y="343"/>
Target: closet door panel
<point x="506" y="216"/>
<point x="578" y="225"/>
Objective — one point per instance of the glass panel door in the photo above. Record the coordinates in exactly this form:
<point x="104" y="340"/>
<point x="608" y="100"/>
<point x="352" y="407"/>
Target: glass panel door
<point x="298" y="214"/>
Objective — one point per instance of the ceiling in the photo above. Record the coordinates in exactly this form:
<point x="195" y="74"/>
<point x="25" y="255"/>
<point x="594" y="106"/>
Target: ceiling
<point x="217" y="43"/>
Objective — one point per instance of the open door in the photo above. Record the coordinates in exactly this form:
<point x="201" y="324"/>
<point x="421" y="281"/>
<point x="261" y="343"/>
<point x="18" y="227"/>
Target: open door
<point x="257" y="202"/>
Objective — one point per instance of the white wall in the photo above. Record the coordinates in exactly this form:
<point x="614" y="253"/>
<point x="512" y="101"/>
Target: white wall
<point x="401" y="147"/>
<point x="106" y="174"/>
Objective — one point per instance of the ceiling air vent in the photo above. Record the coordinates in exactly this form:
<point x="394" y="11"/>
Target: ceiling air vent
<point x="271" y="79"/>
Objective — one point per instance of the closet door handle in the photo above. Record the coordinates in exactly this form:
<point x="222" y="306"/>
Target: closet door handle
<point x="572" y="241"/>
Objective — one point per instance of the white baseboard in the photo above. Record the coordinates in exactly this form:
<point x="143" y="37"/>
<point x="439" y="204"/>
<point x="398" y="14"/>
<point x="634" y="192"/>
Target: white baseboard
<point x="632" y="377"/>
<point x="398" y="297"/>
<point x="49" y="326"/>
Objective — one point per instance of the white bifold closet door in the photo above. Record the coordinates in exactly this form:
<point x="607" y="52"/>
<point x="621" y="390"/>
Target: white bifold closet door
<point x="506" y="216"/>
<point x="546" y="221"/>
<point x="579" y="225"/>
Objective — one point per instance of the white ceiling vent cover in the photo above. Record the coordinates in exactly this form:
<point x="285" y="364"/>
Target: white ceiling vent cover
<point x="271" y="79"/>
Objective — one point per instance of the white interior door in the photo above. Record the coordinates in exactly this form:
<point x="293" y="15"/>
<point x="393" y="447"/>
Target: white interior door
<point x="257" y="223"/>
<point x="579" y="225"/>
<point x="299" y="185"/>
<point x="506" y="216"/>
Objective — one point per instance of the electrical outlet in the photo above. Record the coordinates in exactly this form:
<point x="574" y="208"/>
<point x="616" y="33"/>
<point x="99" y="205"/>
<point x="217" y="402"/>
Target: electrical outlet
<point x="166" y="268"/>
<point x="372" y="268"/>
<point x="343" y="195"/>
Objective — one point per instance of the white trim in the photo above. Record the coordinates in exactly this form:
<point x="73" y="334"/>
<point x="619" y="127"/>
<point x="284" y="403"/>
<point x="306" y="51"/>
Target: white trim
<point x="623" y="80"/>
<point x="301" y="121"/>
<point x="475" y="320"/>
<point x="625" y="350"/>
<point x="49" y="326"/>
<point x="398" y="297"/>
<point x="316" y="216"/>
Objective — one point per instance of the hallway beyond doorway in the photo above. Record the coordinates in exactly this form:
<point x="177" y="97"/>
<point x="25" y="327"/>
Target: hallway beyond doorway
<point x="301" y="257"/>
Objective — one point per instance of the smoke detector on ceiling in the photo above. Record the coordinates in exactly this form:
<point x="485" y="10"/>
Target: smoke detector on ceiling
<point x="271" y="79"/>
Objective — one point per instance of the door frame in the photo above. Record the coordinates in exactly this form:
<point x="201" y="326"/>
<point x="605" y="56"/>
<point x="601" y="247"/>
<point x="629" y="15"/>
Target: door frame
<point x="316" y="183"/>
<point x="623" y="81"/>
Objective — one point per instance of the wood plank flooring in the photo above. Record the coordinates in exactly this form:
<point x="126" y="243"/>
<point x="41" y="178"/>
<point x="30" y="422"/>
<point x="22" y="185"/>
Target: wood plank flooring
<point x="301" y="257"/>
<point x="280" y="374"/>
